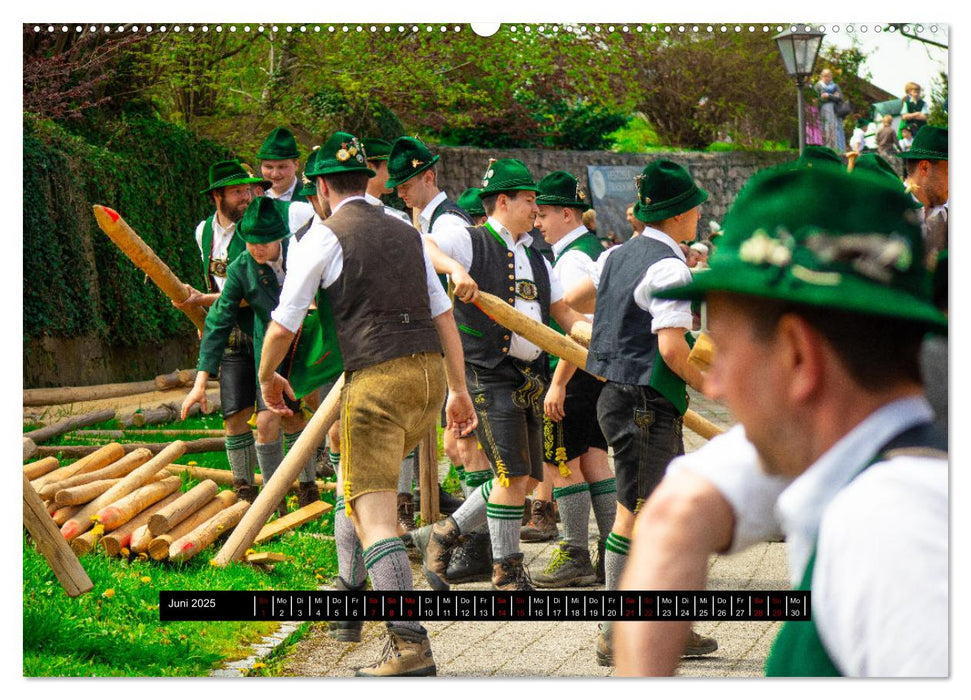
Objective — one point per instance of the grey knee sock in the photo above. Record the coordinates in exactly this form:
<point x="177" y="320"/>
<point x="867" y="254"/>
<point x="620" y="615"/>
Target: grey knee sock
<point x="472" y="513"/>
<point x="603" y="498"/>
<point x="406" y="475"/>
<point x="615" y="558"/>
<point x="242" y="456"/>
<point x="574" y="504"/>
<point x="269" y="455"/>
<point x="505" y="523"/>
<point x="350" y="558"/>
<point x="309" y="472"/>
<point x="474" y="481"/>
<point x="389" y="570"/>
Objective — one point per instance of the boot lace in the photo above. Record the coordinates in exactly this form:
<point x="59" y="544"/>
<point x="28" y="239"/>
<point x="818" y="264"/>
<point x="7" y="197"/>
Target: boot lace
<point x="561" y="557"/>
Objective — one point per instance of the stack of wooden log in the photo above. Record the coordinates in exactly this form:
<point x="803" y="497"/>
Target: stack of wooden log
<point x="132" y="503"/>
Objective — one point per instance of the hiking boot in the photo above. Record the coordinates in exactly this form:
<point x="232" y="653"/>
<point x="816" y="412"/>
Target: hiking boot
<point x="605" y="650"/>
<point x="322" y="463"/>
<point x="509" y="574"/>
<point x="542" y="525"/>
<point x="697" y="645"/>
<point x="307" y="493"/>
<point x="244" y="491"/>
<point x="406" y="653"/>
<point x="598" y="565"/>
<point x="569" y="566"/>
<point x="406" y="517"/>
<point x="436" y="543"/>
<point x="447" y="503"/>
<point x="471" y="560"/>
<point x="346" y="630"/>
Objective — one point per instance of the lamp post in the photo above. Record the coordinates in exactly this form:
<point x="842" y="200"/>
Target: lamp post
<point x="799" y="49"/>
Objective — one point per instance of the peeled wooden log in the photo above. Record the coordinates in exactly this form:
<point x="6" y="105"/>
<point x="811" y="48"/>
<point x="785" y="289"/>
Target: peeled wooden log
<point x="190" y="502"/>
<point x="141" y="476"/>
<point x="85" y="493"/>
<point x="66" y="426"/>
<point x="191" y="447"/>
<point x="271" y="494"/>
<point x="158" y="548"/>
<point x="702" y="426"/>
<point x="224" y="477"/>
<point x="428" y="476"/>
<point x="124" y="509"/>
<point x="582" y="332"/>
<point x="140" y="539"/>
<point x="117" y="469"/>
<point x="65" y="565"/>
<point x="188" y="546"/>
<point x="118" y="539"/>
<point x="292" y="520"/>
<point x="121" y="405"/>
<point x="169" y="412"/>
<point x="146" y="260"/>
<point x="37" y="469"/>
<point x="703" y="352"/>
<point x="30" y="448"/>
<point x="64" y="513"/>
<point x="133" y="433"/>
<point x="74" y="394"/>
<point x="99" y="457"/>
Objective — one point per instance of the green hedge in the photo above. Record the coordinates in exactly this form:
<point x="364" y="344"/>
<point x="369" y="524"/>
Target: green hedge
<point x="76" y="281"/>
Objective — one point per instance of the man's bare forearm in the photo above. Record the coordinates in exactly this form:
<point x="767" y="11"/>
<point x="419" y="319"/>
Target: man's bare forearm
<point x="684" y="521"/>
<point x="275" y="344"/>
<point x="448" y="333"/>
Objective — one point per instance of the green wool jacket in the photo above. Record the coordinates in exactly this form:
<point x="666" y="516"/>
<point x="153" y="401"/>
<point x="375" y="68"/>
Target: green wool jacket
<point x="314" y="357"/>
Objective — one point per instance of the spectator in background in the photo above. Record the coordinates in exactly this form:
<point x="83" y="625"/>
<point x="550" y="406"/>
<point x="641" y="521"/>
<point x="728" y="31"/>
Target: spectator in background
<point x="906" y="140"/>
<point x="829" y="95"/>
<point x="914" y="113"/>
<point x="637" y="226"/>
<point x="858" y="139"/>
<point x="887" y="138"/>
<point x="590" y="221"/>
<point x="698" y="255"/>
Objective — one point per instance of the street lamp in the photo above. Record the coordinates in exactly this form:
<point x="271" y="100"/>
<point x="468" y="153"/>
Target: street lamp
<point x="799" y="49"/>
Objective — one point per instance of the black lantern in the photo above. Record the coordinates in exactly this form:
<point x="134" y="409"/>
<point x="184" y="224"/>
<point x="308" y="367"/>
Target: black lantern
<point x="799" y="48"/>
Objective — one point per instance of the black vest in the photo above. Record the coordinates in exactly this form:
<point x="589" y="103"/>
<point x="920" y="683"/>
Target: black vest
<point x="484" y="341"/>
<point x="448" y="207"/>
<point x="380" y="301"/>
<point x="623" y="349"/>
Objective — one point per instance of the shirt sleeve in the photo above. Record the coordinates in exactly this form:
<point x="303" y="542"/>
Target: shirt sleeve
<point x="730" y="463"/>
<point x="573" y="267"/>
<point x="437" y="298"/>
<point x="453" y="240"/>
<point x="299" y="213"/>
<point x="199" y="229"/>
<point x="667" y="313"/>
<point x="318" y="264"/>
<point x="556" y="287"/>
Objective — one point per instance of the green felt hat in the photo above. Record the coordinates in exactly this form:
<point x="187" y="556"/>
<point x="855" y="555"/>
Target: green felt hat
<point x="343" y="153"/>
<point x="227" y="173"/>
<point x="408" y="157"/>
<point x="561" y="189"/>
<point x="377" y="149"/>
<point x="877" y="165"/>
<point x="279" y="145"/>
<point x="505" y="175"/>
<point x="664" y="190"/>
<point x="822" y="237"/>
<point x="811" y="155"/>
<point x="264" y="221"/>
<point x="471" y="203"/>
<point x="308" y="186"/>
<point x="930" y="143"/>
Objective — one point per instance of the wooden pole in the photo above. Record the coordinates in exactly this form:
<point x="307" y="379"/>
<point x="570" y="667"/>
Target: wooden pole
<point x="37" y="469"/>
<point x="170" y="516"/>
<point x="64" y="513"/>
<point x="123" y="467"/>
<point x="124" y="509"/>
<point x="428" y="476"/>
<point x="158" y="548"/>
<point x="30" y="448"/>
<point x="81" y="522"/>
<point x="191" y="447"/>
<point x="702" y="426"/>
<point x="74" y="394"/>
<point x="65" y="426"/>
<point x="224" y="477"/>
<point x="95" y="460"/>
<point x="146" y="260"/>
<point x="115" y="541"/>
<point x="71" y="575"/>
<point x="122" y="405"/>
<point x="187" y="547"/>
<point x="84" y="493"/>
<point x="244" y="535"/>
<point x="132" y="433"/>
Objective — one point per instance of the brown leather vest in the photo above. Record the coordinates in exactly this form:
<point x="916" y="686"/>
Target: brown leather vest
<point x="380" y="301"/>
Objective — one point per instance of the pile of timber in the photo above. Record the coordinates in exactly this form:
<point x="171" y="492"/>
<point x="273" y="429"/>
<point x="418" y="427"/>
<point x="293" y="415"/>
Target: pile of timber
<point x="131" y="503"/>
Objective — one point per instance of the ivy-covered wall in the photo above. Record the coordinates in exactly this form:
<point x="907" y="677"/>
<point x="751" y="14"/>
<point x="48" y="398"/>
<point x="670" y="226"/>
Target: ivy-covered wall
<point x="79" y="290"/>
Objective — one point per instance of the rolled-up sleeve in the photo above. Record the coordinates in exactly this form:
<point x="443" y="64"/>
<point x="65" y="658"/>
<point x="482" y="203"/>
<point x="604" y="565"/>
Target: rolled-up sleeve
<point x="317" y="262"/>
<point x="666" y="313"/>
<point x="437" y="298"/>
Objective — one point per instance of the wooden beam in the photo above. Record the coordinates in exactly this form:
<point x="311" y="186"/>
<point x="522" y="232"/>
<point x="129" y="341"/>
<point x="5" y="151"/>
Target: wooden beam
<point x="65" y="565"/>
<point x="428" y="476"/>
<point x="292" y="520"/>
<point x="74" y="394"/>
<point x="191" y="447"/>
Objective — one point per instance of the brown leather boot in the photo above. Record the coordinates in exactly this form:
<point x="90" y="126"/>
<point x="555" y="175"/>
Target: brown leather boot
<point x="509" y="574"/>
<point x="244" y="491"/>
<point x="406" y="516"/>
<point x="542" y="524"/>
<point x="406" y="653"/>
<point x="307" y="493"/>
<point x="437" y="543"/>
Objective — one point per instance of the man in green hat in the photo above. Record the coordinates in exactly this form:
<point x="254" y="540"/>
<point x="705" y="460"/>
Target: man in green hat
<point x="575" y="450"/>
<point x="506" y="373"/>
<point x="926" y="166"/>
<point x="412" y="172"/>
<point x="638" y="345"/>
<point x="279" y="163"/>
<point x="817" y="314"/>
<point x="393" y="322"/>
<point x="378" y="151"/>
<point x="231" y="190"/>
<point x="255" y="277"/>
<point x="471" y="204"/>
